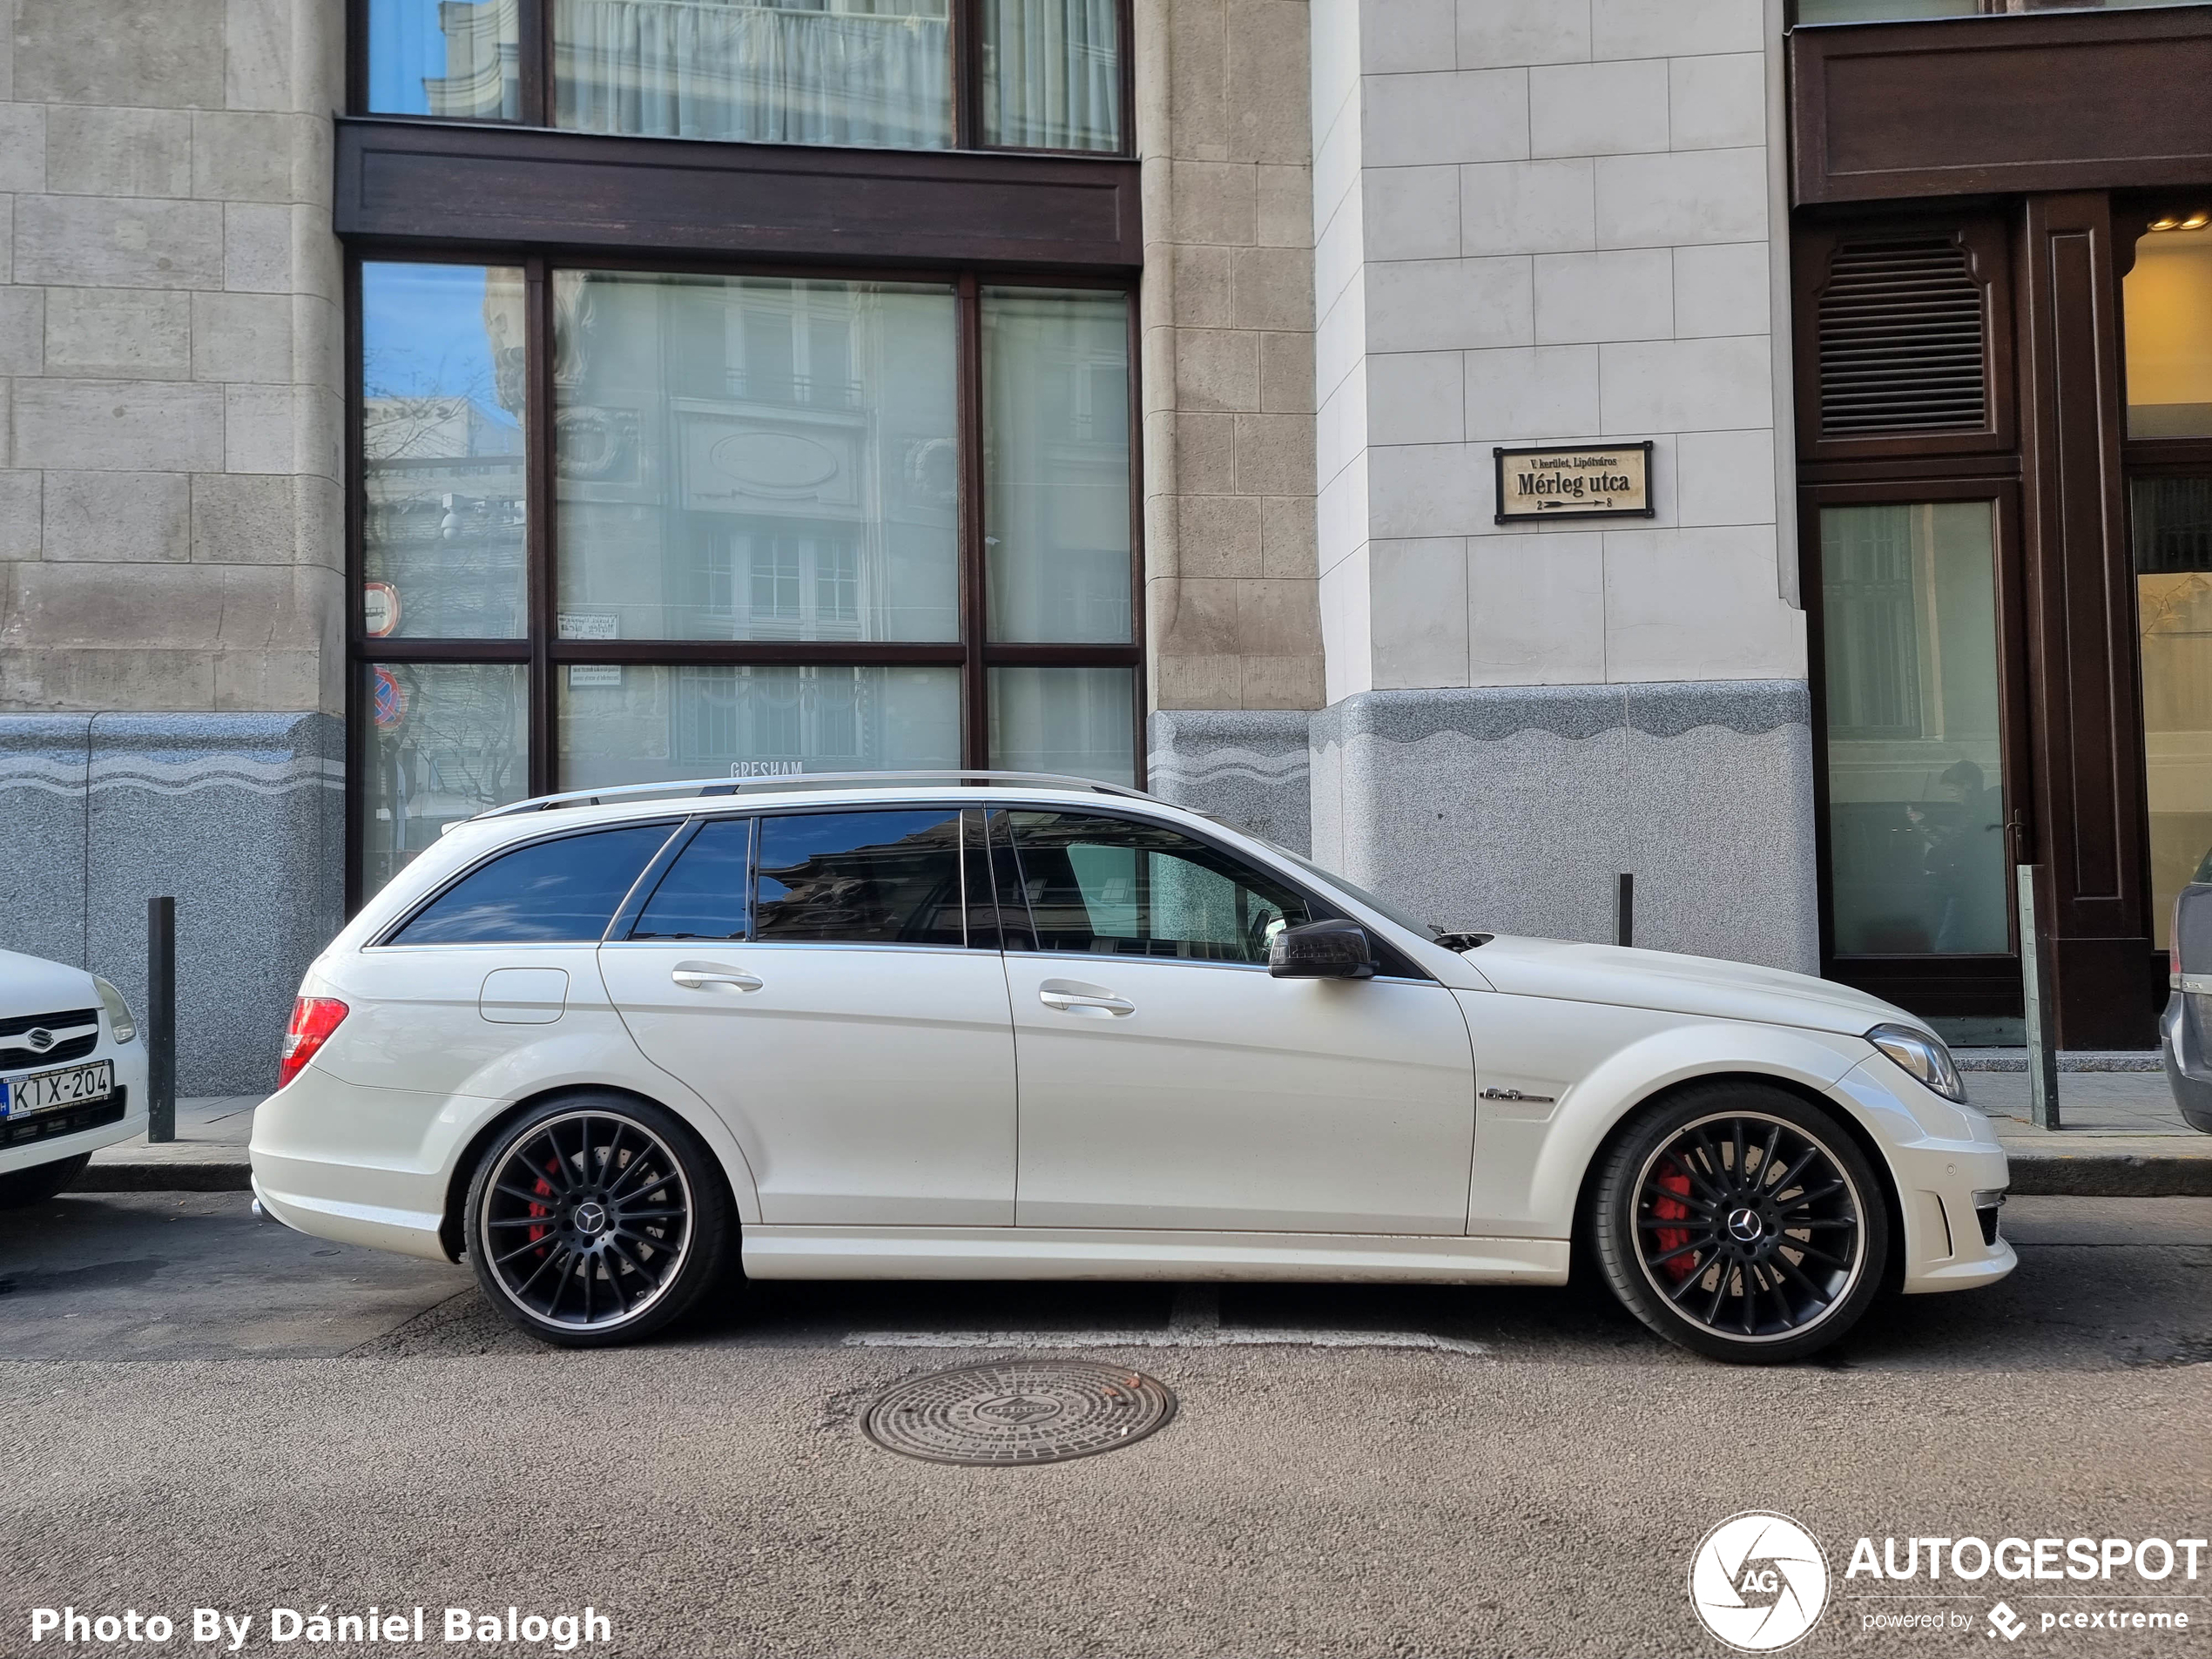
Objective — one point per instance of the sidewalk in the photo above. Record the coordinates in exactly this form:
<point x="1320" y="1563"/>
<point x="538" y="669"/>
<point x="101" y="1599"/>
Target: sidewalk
<point x="2123" y="1139"/>
<point x="207" y="1155"/>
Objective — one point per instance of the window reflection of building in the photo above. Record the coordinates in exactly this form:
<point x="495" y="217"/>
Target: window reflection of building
<point x="766" y="493"/>
<point x="445" y="741"/>
<point x="1916" y="780"/>
<point x="443" y="486"/>
<point x="483" y="80"/>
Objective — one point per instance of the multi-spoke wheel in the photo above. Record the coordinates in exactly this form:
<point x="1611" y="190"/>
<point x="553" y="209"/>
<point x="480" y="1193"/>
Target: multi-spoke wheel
<point x="1741" y="1222"/>
<point x="596" y="1220"/>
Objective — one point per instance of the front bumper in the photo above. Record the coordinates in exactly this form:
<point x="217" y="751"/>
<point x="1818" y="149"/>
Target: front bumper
<point x="1941" y="1156"/>
<point x="129" y="1060"/>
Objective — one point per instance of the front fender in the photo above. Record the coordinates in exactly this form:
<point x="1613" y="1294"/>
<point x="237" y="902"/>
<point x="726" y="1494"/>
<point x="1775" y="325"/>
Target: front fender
<point x="1529" y="1168"/>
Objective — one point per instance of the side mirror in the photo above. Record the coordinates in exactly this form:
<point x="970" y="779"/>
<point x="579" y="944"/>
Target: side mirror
<point x="1334" y="950"/>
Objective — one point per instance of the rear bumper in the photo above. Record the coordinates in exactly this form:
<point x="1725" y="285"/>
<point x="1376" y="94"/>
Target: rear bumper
<point x="361" y="1166"/>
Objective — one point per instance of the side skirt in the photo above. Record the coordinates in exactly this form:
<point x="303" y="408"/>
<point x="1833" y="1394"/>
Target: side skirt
<point x="1084" y="1253"/>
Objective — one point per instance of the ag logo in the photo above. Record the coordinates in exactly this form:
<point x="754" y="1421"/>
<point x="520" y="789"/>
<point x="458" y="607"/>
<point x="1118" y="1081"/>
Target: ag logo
<point x="1758" y="1581"/>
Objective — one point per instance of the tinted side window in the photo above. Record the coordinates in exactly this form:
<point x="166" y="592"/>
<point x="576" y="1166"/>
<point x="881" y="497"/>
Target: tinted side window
<point x="546" y="893"/>
<point x="705" y="892"/>
<point x="881" y="878"/>
<point x="1116" y="887"/>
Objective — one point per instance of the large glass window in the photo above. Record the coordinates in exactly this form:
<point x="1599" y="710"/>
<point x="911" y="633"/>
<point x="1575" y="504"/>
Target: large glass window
<point x="441" y="451"/>
<point x="756" y="458"/>
<point x="440" y="742"/>
<point x="2172" y="523"/>
<point x="1055" y="444"/>
<point x="873" y="73"/>
<point x="2167" y="302"/>
<point x="771" y="548"/>
<point x="1077" y="721"/>
<point x="626" y="725"/>
<point x="1916" y="783"/>
<point x="1052" y="74"/>
<point x="457" y="59"/>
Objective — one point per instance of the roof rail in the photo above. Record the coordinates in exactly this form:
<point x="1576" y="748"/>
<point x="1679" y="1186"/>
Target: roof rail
<point x="965" y="778"/>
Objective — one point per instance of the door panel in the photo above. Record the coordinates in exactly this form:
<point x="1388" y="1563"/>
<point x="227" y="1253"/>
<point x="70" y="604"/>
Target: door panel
<point x="867" y="1083"/>
<point x="1218" y="1097"/>
<point x="1167" y="1081"/>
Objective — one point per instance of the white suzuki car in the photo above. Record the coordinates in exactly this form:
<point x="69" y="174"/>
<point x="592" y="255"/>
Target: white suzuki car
<point x="72" y="1074"/>
<point x="994" y="1026"/>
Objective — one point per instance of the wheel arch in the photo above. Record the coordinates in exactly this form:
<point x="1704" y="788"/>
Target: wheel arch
<point x="452" y="1223"/>
<point x="1636" y="1112"/>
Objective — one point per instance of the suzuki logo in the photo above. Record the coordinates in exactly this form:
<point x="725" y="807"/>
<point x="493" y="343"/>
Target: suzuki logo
<point x="39" y="1038"/>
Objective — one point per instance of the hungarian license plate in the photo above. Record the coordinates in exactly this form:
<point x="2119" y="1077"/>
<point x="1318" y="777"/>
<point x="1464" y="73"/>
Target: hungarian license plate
<point x="42" y="1091"/>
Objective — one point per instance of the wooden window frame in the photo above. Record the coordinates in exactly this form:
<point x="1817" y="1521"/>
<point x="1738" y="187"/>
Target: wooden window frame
<point x="534" y="56"/>
<point x="542" y="653"/>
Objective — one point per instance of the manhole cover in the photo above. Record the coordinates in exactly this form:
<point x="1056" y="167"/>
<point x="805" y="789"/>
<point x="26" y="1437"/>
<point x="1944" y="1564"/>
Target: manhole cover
<point x="1019" y="1411"/>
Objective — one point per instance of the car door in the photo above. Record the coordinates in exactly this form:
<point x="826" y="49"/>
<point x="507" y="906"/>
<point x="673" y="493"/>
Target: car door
<point x="810" y="973"/>
<point x="1168" y="1081"/>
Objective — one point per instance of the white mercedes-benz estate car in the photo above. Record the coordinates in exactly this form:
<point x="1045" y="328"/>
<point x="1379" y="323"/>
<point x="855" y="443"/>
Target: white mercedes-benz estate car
<point x="995" y="1026"/>
<point x="72" y="1074"/>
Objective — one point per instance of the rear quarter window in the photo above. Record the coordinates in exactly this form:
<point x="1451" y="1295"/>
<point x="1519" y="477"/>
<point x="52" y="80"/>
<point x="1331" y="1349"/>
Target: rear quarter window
<point x="555" y="892"/>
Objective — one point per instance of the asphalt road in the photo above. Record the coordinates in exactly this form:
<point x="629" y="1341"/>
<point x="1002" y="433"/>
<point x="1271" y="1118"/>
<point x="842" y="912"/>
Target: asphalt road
<point x="206" y="1412"/>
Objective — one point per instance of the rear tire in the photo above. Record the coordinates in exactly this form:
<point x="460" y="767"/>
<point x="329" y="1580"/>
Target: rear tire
<point x="19" y="1188"/>
<point x="597" y="1219"/>
<point x="1741" y="1222"/>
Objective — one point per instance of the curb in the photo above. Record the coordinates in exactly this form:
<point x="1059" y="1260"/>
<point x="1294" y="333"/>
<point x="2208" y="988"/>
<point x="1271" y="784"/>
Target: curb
<point x="2110" y="1174"/>
<point x="2043" y="1174"/>
<point x="163" y="1177"/>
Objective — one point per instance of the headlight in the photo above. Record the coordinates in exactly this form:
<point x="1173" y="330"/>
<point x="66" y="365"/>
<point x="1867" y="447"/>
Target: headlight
<point x="118" y="1011"/>
<point x="1923" y="1056"/>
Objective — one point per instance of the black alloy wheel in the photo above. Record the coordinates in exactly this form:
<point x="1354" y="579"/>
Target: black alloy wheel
<point x="597" y="1219"/>
<point x="1742" y="1222"/>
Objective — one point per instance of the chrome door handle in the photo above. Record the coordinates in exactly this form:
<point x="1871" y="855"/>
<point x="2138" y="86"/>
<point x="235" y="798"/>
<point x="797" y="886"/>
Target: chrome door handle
<point x="1066" y="1001"/>
<point x="695" y="979"/>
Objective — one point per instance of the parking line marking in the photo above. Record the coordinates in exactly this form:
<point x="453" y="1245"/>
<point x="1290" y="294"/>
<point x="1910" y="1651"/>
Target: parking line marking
<point x="1191" y="1336"/>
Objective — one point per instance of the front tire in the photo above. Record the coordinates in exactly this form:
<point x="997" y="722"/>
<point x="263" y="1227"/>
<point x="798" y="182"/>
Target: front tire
<point x="597" y="1219"/>
<point x="1741" y="1222"/>
<point x="19" y="1188"/>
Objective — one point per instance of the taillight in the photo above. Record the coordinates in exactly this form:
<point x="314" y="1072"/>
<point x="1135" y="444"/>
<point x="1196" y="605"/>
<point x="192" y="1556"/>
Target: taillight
<point x="314" y="1018"/>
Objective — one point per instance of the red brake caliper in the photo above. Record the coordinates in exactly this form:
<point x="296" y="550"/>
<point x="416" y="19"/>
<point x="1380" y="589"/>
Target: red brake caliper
<point x="1672" y="1178"/>
<point x="544" y="1189"/>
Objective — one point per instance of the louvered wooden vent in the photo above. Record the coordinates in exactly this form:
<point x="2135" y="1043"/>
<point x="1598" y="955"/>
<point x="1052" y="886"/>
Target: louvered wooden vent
<point x="1901" y="341"/>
